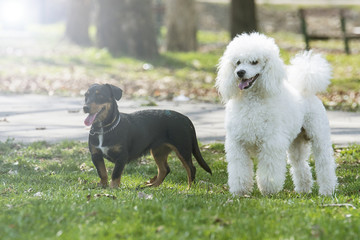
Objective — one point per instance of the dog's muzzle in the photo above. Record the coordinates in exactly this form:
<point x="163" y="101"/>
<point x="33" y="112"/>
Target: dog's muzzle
<point x="91" y="117"/>
<point x="246" y="83"/>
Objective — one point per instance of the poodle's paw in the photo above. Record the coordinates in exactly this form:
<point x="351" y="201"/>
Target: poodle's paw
<point x="304" y="186"/>
<point x="269" y="191"/>
<point x="327" y="184"/>
<point x="269" y="188"/>
<point x="327" y="190"/>
<point x="241" y="189"/>
<point x="303" y="191"/>
<point x="240" y="193"/>
<point x="269" y="182"/>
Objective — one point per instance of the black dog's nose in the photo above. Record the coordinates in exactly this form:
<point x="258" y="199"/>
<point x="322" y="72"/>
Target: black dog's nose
<point x="86" y="109"/>
<point x="241" y="73"/>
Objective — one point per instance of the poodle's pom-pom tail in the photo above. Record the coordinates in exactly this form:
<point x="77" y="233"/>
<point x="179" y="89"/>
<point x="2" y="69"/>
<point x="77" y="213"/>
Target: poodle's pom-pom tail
<point x="309" y="73"/>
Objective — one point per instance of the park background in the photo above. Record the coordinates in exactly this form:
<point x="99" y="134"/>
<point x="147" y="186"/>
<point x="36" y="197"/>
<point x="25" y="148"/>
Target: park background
<point x="59" y="48"/>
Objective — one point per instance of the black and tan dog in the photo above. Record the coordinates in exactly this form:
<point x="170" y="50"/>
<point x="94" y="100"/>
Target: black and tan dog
<point x="121" y="137"/>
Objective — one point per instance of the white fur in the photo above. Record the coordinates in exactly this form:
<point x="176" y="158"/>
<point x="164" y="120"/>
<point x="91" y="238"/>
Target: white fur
<point x="306" y="67"/>
<point x="276" y="118"/>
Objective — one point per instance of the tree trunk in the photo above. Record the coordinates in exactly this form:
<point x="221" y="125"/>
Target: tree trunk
<point x="126" y="27"/>
<point x="78" y="20"/>
<point x="181" y="25"/>
<point x="243" y="17"/>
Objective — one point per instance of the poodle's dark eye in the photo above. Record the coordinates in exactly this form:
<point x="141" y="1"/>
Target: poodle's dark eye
<point x="238" y="62"/>
<point x="254" y="62"/>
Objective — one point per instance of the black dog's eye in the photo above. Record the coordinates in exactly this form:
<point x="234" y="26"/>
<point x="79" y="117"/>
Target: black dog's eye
<point x="254" y="62"/>
<point x="238" y="62"/>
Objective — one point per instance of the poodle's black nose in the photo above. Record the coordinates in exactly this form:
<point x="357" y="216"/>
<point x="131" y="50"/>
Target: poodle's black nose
<point x="241" y="73"/>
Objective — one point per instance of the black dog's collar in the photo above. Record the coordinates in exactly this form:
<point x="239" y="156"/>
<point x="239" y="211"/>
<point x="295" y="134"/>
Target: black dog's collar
<point x="92" y="132"/>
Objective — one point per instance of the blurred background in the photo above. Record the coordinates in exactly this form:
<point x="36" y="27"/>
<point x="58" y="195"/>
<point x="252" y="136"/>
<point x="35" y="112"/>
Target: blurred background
<point x="157" y="49"/>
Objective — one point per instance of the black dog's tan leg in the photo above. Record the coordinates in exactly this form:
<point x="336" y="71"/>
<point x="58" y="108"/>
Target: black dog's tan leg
<point x="152" y="179"/>
<point x="99" y="163"/>
<point x="186" y="160"/>
<point x="190" y="169"/>
<point x="160" y="155"/>
<point x="115" y="183"/>
<point x="116" y="175"/>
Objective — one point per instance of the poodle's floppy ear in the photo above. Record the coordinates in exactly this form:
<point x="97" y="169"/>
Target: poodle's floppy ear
<point x="274" y="73"/>
<point x="116" y="92"/>
<point x="225" y="82"/>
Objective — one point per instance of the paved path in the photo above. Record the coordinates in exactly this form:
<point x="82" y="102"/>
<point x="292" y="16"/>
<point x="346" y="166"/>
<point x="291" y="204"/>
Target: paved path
<point x="28" y="118"/>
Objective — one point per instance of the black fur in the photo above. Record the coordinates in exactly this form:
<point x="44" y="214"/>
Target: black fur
<point x="157" y="131"/>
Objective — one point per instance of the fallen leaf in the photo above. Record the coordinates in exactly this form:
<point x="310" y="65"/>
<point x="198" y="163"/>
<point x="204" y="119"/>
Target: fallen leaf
<point x="38" y="194"/>
<point x="109" y="196"/>
<point x="59" y="233"/>
<point x="160" y="228"/>
<point x="82" y="181"/>
<point x="145" y="196"/>
<point x="104" y="195"/>
<point x="13" y="172"/>
<point x="221" y="222"/>
<point x="83" y="167"/>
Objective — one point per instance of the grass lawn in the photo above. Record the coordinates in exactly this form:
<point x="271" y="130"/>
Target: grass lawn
<point x="49" y="192"/>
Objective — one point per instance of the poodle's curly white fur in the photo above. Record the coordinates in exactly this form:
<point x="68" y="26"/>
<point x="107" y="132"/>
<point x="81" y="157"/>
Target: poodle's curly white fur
<point x="273" y="114"/>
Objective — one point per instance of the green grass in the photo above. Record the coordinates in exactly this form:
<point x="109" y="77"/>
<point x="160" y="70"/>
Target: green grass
<point x="49" y="192"/>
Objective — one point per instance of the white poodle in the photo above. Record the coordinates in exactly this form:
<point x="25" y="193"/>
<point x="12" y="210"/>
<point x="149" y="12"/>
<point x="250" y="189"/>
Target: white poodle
<point x="273" y="113"/>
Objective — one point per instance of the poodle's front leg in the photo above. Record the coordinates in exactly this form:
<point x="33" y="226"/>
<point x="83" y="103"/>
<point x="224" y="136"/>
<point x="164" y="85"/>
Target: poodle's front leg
<point x="240" y="168"/>
<point x="271" y="170"/>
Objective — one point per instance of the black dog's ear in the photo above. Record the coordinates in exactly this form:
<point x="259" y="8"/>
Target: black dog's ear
<point x="116" y="92"/>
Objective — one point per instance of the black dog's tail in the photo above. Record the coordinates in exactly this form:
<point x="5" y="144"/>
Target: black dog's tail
<point x="196" y="151"/>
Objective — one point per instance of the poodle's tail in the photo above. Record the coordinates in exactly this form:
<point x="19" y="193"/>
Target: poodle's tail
<point x="309" y="73"/>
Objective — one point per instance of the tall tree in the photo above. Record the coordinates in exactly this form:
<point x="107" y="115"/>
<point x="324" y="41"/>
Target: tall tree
<point x="126" y="27"/>
<point x="243" y="16"/>
<point x="78" y="21"/>
<point x="181" y="24"/>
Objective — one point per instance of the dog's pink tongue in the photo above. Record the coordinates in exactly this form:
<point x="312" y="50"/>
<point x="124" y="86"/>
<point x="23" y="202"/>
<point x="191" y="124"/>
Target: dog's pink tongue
<point x="243" y="84"/>
<point x="90" y="119"/>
